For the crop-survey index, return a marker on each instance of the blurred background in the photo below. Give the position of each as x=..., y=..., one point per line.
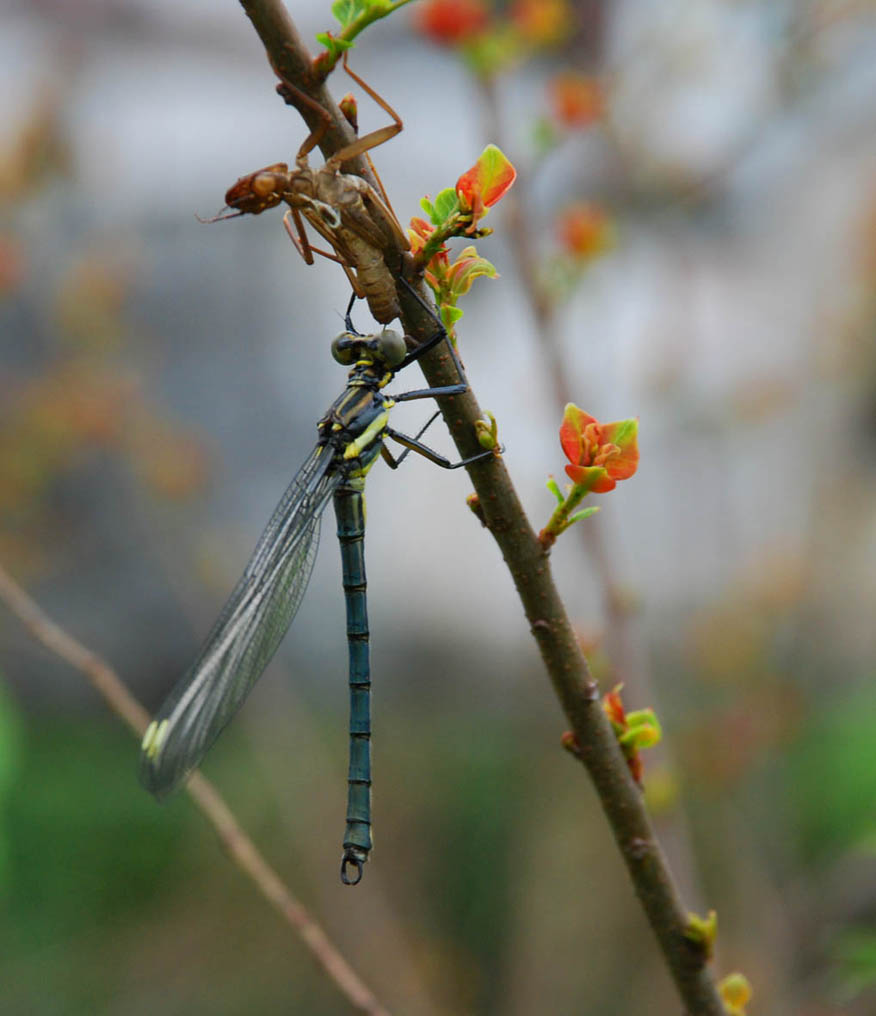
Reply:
x=691, y=240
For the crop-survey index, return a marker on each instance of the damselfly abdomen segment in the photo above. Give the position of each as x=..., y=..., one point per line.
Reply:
x=264, y=602
x=350, y=513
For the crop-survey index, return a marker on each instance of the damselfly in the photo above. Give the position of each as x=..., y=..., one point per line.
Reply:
x=252, y=624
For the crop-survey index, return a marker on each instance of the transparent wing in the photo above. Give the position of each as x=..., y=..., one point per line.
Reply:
x=245, y=636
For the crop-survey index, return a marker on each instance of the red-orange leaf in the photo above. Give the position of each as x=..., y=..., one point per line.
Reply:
x=599, y=454
x=614, y=708
x=584, y=230
x=451, y=22
x=419, y=232
x=543, y=22
x=594, y=478
x=466, y=268
x=576, y=98
x=485, y=183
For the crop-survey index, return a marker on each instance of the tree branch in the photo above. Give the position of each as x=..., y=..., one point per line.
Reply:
x=529, y=566
x=290, y=59
x=240, y=848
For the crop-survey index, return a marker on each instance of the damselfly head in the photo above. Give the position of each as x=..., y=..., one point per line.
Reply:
x=386, y=347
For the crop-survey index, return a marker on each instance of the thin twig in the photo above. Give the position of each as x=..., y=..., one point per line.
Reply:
x=627, y=663
x=237, y=844
x=568, y=671
x=615, y=604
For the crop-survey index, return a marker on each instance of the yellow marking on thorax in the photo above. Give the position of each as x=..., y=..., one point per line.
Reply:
x=372, y=431
x=348, y=406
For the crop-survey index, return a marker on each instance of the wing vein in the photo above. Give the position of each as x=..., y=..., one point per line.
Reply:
x=247, y=632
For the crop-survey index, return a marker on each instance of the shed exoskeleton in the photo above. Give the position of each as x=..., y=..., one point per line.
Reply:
x=355, y=220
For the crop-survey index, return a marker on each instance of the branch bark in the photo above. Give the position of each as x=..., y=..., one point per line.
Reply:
x=529, y=566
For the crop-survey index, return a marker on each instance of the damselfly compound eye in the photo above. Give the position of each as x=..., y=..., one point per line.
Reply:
x=392, y=347
x=343, y=348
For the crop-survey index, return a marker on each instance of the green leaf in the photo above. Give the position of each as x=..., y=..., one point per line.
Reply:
x=346, y=11
x=643, y=729
x=441, y=209
x=544, y=136
x=354, y=16
x=487, y=431
x=585, y=513
x=335, y=46
x=446, y=204
x=466, y=269
x=453, y=314
x=640, y=737
x=553, y=487
x=735, y=992
x=643, y=718
x=624, y=431
x=702, y=932
x=450, y=315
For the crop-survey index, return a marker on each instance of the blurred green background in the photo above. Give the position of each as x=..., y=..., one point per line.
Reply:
x=697, y=206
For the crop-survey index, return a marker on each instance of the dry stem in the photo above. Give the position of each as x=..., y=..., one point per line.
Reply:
x=237, y=844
